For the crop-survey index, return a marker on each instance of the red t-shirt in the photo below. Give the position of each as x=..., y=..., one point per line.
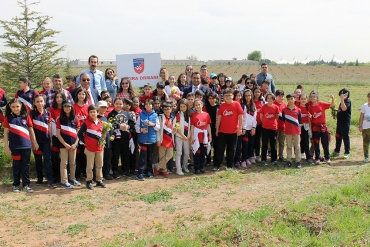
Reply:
x=81, y=112
x=318, y=112
x=230, y=117
x=281, y=106
x=269, y=117
x=304, y=114
x=201, y=121
x=258, y=104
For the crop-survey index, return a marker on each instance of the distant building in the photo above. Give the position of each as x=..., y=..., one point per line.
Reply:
x=180, y=62
x=233, y=62
x=85, y=62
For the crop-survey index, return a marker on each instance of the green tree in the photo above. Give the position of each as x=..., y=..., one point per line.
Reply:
x=356, y=62
x=255, y=56
x=34, y=55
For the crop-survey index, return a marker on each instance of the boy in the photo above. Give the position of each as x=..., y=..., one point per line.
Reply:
x=228, y=128
x=264, y=88
x=102, y=107
x=147, y=125
x=291, y=116
x=90, y=133
x=199, y=95
x=211, y=108
x=104, y=94
x=212, y=84
x=160, y=92
x=190, y=97
x=71, y=83
x=165, y=139
x=25, y=94
x=279, y=94
x=147, y=94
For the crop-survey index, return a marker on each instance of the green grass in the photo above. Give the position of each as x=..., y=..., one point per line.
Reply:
x=339, y=216
x=75, y=229
x=159, y=195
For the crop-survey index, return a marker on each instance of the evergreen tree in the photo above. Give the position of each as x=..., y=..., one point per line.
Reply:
x=34, y=55
x=356, y=62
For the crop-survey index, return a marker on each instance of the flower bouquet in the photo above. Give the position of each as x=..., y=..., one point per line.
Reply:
x=107, y=126
x=333, y=112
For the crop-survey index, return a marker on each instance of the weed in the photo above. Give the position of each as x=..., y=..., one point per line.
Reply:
x=160, y=195
x=169, y=208
x=75, y=229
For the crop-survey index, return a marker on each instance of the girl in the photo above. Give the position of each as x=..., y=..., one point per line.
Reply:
x=228, y=84
x=3, y=102
x=364, y=127
x=306, y=133
x=90, y=133
x=157, y=105
x=126, y=91
x=297, y=93
x=42, y=128
x=111, y=80
x=343, y=123
x=221, y=81
x=249, y=128
x=108, y=99
x=258, y=101
x=173, y=91
x=319, y=128
x=250, y=84
x=163, y=74
x=242, y=82
x=147, y=94
x=238, y=97
x=19, y=138
x=182, y=83
x=269, y=114
x=55, y=110
x=46, y=85
x=67, y=127
x=122, y=136
x=25, y=94
x=200, y=136
x=182, y=137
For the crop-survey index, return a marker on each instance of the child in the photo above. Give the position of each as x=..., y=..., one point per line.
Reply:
x=182, y=137
x=258, y=101
x=102, y=107
x=90, y=133
x=46, y=85
x=108, y=99
x=71, y=83
x=249, y=128
x=182, y=83
x=25, y=94
x=343, y=124
x=319, y=128
x=67, y=127
x=212, y=83
x=147, y=94
x=161, y=92
x=42, y=128
x=165, y=139
x=297, y=93
x=199, y=95
x=147, y=125
x=157, y=105
x=3, y=102
x=130, y=115
x=242, y=82
x=264, y=88
x=228, y=128
x=211, y=108
x=238, y=151
x=364, y=127
x=135, y=106
x=269, y=114
x=228, y=84
x=291, y=116
x=55, y=110
x=279, y=94
x=19, y=138
x=173, y=91
x=104, y=94
x=191, y=97
x=199, y=137
x=306, y=133
x=221, y=81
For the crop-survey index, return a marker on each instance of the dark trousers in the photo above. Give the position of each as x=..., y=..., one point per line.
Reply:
x=106, y=161
x=55, y=160
x=247, y=144
x=342, y=133
x=133, y=156
x=80, y=161
x=21, y=166
x=44, y=151
x=200, y=157
x=121, y=148
x=228, y=142
x=269, y=136
x=324, y=142
x=146, y=157
x=257, y=140
x=238, y=149
x=305, y=143
x=214, y=146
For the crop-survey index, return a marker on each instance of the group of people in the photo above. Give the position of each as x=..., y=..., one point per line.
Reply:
x=83, y=130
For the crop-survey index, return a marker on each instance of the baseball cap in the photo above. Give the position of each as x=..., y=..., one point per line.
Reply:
x=101, y=103
x=213, y=76
x=67, y=102
x=228, y=79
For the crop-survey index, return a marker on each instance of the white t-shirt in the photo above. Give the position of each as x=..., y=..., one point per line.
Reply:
x=365, y=109
x=171, y=90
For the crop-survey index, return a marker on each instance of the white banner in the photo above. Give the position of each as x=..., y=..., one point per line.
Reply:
x=140, y=68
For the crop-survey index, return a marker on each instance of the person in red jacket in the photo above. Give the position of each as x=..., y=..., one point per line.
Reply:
x=90, y=133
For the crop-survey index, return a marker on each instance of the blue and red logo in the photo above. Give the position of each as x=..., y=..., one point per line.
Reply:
x=139, y=65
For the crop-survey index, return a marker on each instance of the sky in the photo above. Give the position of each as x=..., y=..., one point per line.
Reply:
x=209, y=30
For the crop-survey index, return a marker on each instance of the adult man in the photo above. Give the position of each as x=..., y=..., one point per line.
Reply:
x=195, y=78
x=261, y=77
x=93, y=95
x=204, y=72
x=57, y=86
x=96, y=76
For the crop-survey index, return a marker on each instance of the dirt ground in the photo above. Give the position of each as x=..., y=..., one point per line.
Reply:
x=79, y=217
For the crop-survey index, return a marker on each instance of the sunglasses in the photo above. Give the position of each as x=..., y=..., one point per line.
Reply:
x=214, y=78
x=249, y=82
x=110, y=72
x=85, y=79
x=135, y=102
x=124, y=82
x=189, y=69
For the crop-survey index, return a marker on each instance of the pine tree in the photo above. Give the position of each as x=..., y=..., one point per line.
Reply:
x=34, y=55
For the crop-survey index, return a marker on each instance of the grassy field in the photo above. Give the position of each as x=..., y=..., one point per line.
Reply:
x=260, y=206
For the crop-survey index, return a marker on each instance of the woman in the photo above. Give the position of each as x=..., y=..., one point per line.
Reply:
x=250, y=84
x=111, y=80
x=163, y=74
x=46, y=85
x=188, y=72
x=126, y=91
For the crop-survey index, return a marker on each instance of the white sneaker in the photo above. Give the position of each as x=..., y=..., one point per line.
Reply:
x=180, y=173
x=185, y=168
x=303, y=156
